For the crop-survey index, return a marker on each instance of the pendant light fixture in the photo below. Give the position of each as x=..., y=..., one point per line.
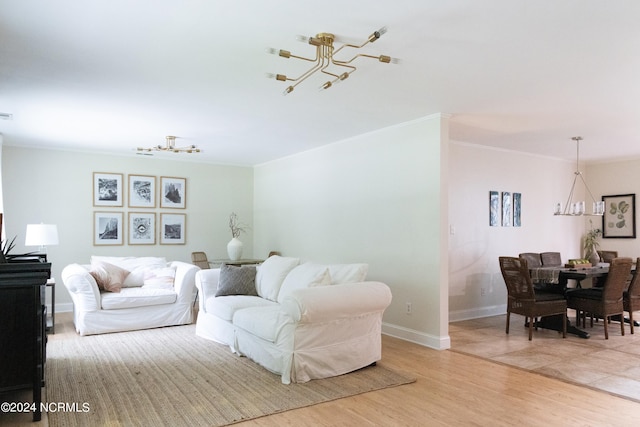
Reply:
x=578, y=208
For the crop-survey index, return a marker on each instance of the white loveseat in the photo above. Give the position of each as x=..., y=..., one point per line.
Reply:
x=303, y=321
x=140, y=293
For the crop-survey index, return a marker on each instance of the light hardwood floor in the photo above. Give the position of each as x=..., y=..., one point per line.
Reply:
x=454, y=389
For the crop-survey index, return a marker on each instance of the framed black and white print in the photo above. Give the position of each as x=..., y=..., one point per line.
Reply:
x=506, y=209
x=107, y=189
x=142, y=228
x=173, y=192
x=494, y=208
x=172, y=229
x=517, y=209
x=142, y=191
x=108, y=228
x=619, y=219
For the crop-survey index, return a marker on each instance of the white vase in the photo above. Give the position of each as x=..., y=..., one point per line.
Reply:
x=234, y=249
x=594, y=258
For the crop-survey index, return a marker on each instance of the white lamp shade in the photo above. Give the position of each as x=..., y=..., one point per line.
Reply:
x=41, y=235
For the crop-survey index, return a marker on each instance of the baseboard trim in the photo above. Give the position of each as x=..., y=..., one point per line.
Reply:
x=417, y=337
x=476, y=313
x=64, y=308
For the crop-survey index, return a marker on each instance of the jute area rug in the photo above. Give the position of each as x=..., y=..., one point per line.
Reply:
x=169, y=376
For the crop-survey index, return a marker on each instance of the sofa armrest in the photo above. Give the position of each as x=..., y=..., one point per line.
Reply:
x=82, y=286
x=327, y=303
x=207, y=284
x=184, y=282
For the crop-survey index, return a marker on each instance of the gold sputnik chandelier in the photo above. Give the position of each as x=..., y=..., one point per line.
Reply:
x=325, y=58
x=171, y=146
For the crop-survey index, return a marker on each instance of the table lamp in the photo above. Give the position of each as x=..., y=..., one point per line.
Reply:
x=41, y=235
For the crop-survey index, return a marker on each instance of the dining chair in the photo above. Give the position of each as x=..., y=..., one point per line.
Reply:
x=522, y=299
x=607, y=256
x=551, y=259
x=533, y=259
x=606, y=301
x=200, y=259
x=631, y=297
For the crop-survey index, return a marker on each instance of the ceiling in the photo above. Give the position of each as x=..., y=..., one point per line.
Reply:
x=113, y=75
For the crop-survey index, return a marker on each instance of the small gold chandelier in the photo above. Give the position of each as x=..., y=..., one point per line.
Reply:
x=325, y=58
x=171, y=146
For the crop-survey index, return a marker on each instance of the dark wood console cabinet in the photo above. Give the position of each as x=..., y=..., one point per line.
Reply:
x=22, y=328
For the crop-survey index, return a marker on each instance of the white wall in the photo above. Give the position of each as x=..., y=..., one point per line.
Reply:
x=474, y=248
x=375, y=198
x=607, y=179
x=57, y=187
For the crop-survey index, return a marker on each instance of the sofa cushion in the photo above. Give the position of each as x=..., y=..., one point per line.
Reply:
x=137, y=266
x=159, y=278
x=348, y=273
x=109, y=277
x=304, y=276
x=225, y=307
x=271, y=274
x=237, y=280
x=137, y=297
x=262, y=322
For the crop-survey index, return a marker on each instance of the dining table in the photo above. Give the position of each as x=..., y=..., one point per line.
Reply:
x=556, y=279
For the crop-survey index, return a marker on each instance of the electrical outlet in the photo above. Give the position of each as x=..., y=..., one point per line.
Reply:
x=408, y=308
x=483, y=292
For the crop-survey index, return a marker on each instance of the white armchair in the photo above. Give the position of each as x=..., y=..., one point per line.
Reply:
x=140, y=304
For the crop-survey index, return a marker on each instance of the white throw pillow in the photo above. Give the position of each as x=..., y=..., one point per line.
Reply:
x=271, y=274
x=159, y=278
x=136, y=266
x=304, y=276
x=348, y=273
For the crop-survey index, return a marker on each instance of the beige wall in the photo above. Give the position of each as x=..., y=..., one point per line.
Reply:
x=474, y=246
x=622, y=177
x=376, y=198
x=57, y=186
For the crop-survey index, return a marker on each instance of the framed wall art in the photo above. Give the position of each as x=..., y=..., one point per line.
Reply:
x=142, y=228
x=494, y=208
x=142, y=191
x=107, y=189
x=172, y=229
x=517, y=209
x=619, y=219
x=506, y=209
x=108, y=228
x=173, y=192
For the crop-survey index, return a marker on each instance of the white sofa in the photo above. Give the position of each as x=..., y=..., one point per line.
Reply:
x=134, y=293
x=303, y=321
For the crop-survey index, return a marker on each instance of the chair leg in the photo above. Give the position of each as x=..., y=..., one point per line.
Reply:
x=531, y=322
x=508, y=316
x=622, y=323
x=606, y=327
x=631, y=320
x=564, y=326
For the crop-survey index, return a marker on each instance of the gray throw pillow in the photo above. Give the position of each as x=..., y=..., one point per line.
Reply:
x=237, y=280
